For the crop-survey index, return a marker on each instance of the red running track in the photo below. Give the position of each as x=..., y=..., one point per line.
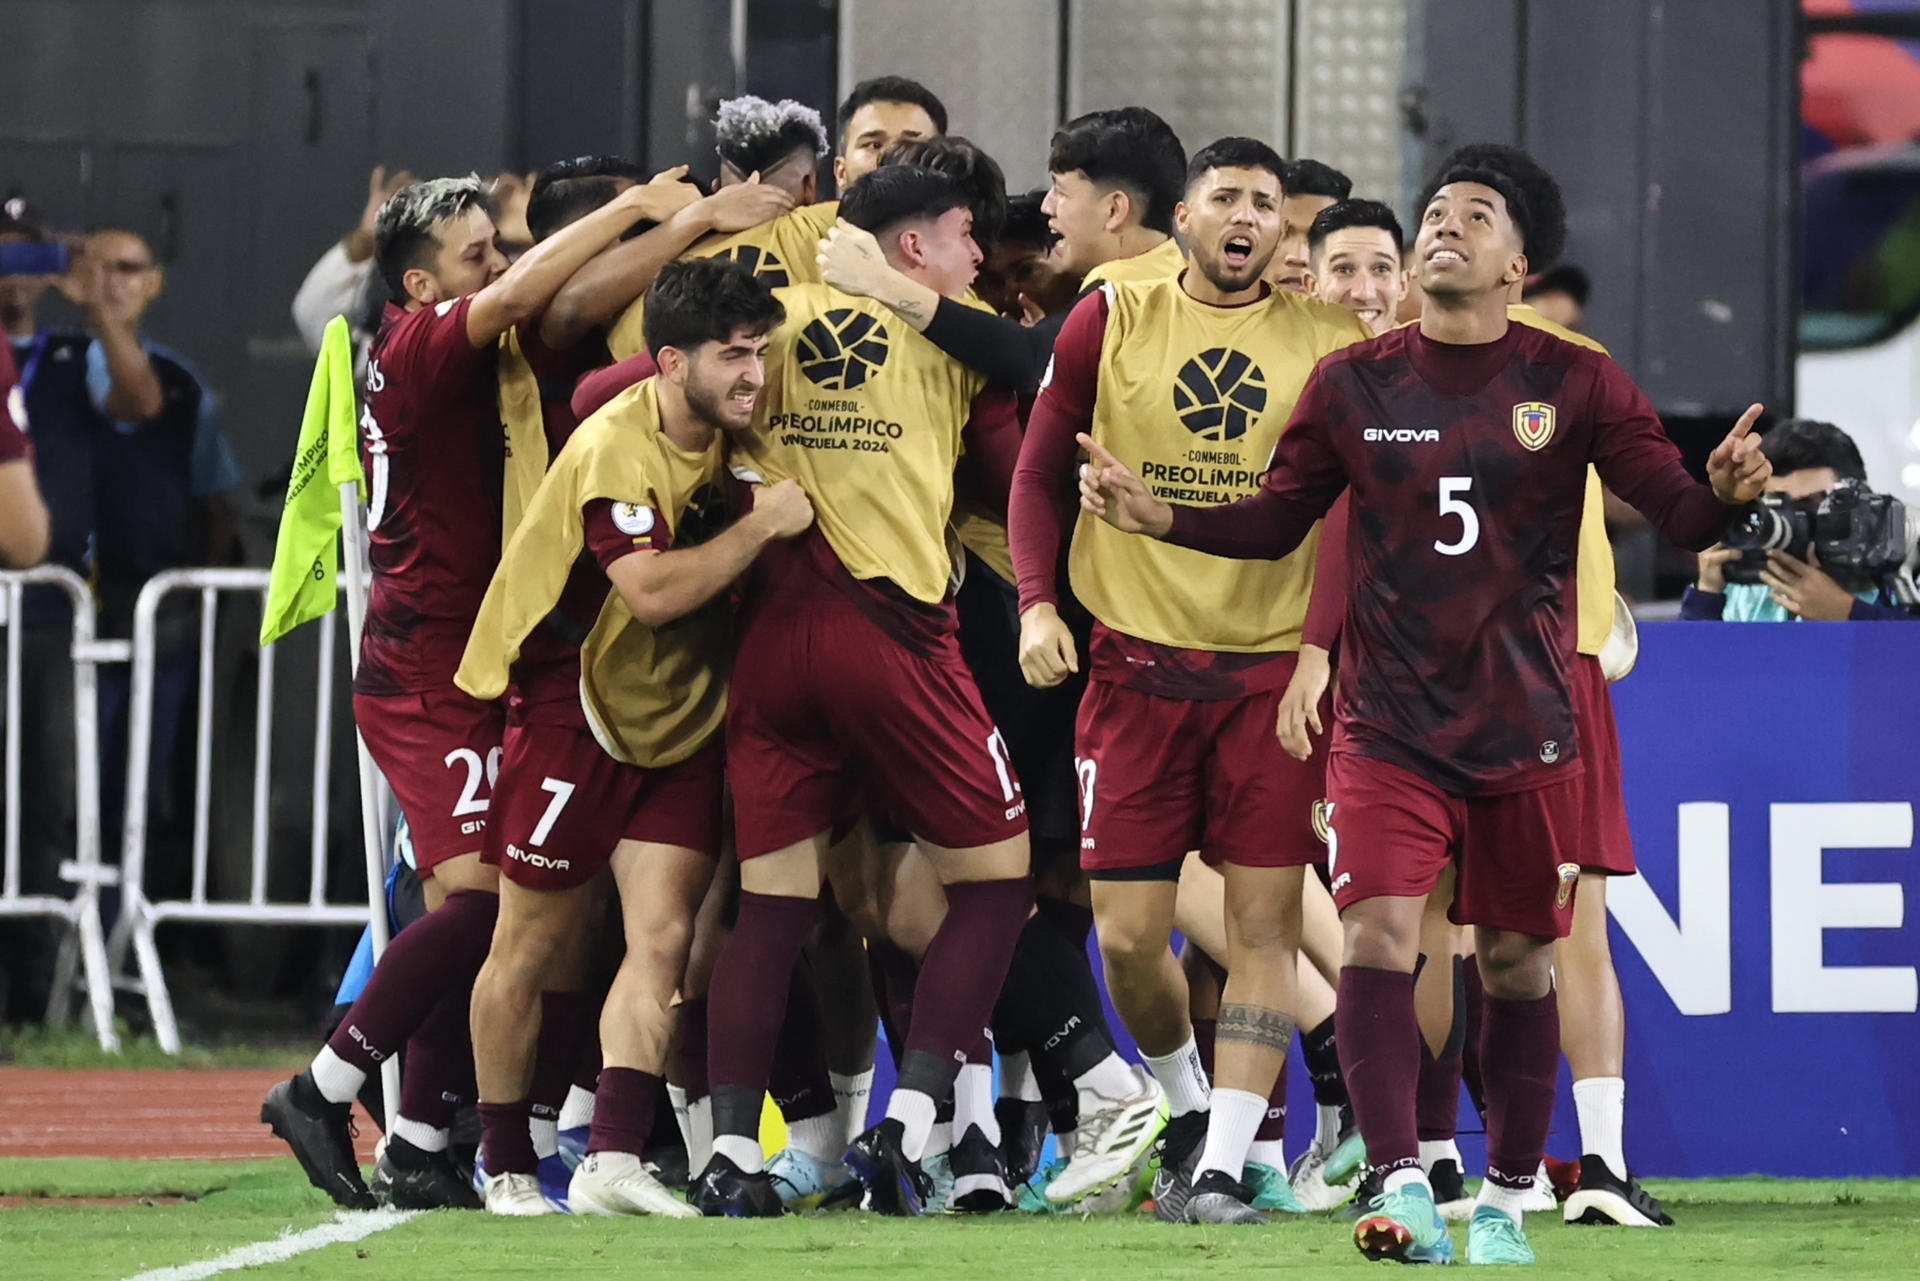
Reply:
x=187, y=1113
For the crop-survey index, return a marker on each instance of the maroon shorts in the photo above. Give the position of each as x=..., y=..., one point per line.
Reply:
x=1391, y=833
x=440, y=752
x=562, y=804
x=1161, y=776
x=828, y=715
x=1605, y=844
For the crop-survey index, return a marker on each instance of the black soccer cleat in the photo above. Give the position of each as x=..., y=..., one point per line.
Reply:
x=321, y=1136
x=979, y=1176
x=1023, y=1133
x=1603, y=1198
x=894, y=1185
x=1365, y=1189
x=411, y=1178
x=725, y=1191
x=1178, y=1151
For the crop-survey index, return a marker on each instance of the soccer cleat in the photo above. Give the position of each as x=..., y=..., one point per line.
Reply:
x=573, y=1145
x=1370, y=1185
x=1271, y=1192
x=894, y=1185
x=1603, y=1198
x=979, y=1176
x=805, y=1182
x=1308, y=1178
x=1023, y=1133
x=1217, y=1197
x=1348, y=1155
x=618, y=1183
x=1404, y=1225
x=1031, y=1196
x=410, y=1178
x=556, y=1176
x=1180, y=1145
x=938, y=1167
x=1494, y=1236
x=321, y=1136
x=724, y=1190
x=1450, y=1190
x=1540, y=1196
x=516, y=1196
x=1107, y=1143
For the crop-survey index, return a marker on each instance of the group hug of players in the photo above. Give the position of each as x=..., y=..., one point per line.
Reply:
x=867, y=598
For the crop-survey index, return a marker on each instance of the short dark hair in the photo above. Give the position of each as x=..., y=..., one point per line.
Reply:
x=11, y=226
x=1027, y=220
x=892, y=194
x=1352, y=213
x=1306, y=177
x=976, y=172
x=890, y=89
x=1801, y=444
x=1236, y=153
x=1130, y=148
x=569, y=189
x=1564, y=279
x=403, y=229
x=752, y=134
x=701, y=300
x=1544, y=230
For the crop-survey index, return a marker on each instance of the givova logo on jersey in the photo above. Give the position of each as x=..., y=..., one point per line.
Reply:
x=842, y=349
x=1220, y=394
x=763, y=263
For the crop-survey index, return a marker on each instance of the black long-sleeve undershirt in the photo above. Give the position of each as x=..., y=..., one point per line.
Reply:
x=1006, y=351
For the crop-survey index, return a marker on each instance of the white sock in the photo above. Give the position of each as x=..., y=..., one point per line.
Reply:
x=1405, y=1177
x=817, y=1136
x=423, y=1136
x=851, y=1097
x=577, y=1112
x=339, y=1080
x=741, y=1150
x=677, y=1096
x=1326, y=1126
x=1434, y=1151
x=1183, y=1078
x=1017, y=1080
x=1601, y=1102
x=1111, y=1079
x=1507, y=1200
x=1234, y=1120
x=1268, y=1152
x=700, y=1127
x=915, y=1112
x=939, y=1139
x=546, y=1136
x=1063, y=1143
x=973, y=1101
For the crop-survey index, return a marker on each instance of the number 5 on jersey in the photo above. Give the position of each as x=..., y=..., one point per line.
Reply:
x=1452, y=503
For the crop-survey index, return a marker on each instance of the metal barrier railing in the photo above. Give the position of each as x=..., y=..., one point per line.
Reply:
x=139, y=915
x=83, y=870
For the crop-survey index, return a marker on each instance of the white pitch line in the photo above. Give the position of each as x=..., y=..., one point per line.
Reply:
x=346, y=1226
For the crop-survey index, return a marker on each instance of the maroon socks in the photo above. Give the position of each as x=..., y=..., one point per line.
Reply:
x=964, y=968
x=1520, y=1057
x=1379, y=1039
x=747, y=1001
x=623, y=1109
x=435, y=957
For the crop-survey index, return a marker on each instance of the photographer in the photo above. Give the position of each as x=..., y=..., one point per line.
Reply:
x=1755, y=577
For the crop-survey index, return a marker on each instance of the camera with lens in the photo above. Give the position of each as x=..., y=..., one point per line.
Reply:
x=1860, y=536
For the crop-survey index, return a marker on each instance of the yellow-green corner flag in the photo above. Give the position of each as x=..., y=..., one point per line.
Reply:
x=306, y=555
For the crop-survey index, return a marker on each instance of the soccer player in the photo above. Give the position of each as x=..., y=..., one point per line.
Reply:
x=1310, y=186
x=23, y=513
x=1353, y=261
x=1020, y=278
x=847, y=662
x=1115, y=179
x=1190, y=376
x=612, y=754
x=1464, y=442
x=432, y=439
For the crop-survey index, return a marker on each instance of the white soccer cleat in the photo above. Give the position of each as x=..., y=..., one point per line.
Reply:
x=1107, y=1143
x=1308, y=1178
x=617, y=1183
x=1541, y=1196
x=516, y=1195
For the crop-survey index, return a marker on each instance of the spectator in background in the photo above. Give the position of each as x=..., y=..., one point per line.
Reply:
x=1809, y=458
x=343, y=283
x=1560, y=294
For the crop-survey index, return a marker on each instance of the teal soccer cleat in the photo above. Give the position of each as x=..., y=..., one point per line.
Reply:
x=1406, y=1226
x=1494, y=1236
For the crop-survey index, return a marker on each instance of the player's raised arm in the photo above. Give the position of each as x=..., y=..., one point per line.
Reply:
x=523, y=291
x=660, y=586
x=1637, y=461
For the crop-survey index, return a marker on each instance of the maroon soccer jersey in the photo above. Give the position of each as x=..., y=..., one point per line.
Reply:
x=546, y=676
x=1467, y=468
x=434, y=449
x=13, y=411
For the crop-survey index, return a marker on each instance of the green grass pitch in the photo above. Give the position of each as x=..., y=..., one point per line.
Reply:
x=1737, y=1230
